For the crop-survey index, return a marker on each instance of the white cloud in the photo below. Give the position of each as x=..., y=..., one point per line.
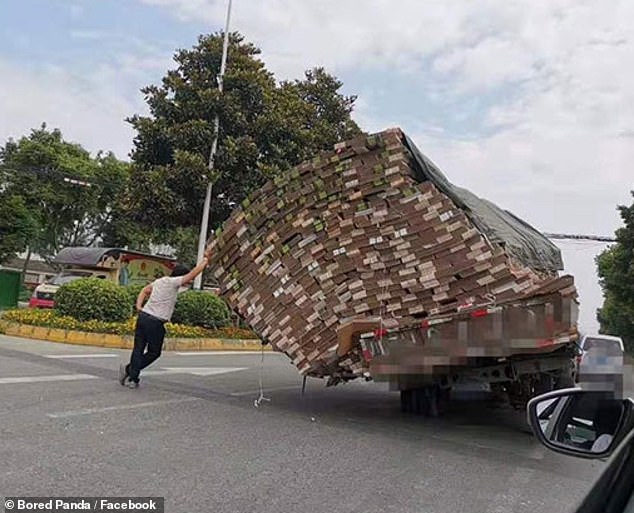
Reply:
x=89, y=109
x=88, y=101
x=552, y=77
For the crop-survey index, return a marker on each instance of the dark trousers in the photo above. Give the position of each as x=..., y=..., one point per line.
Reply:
x=148, y=344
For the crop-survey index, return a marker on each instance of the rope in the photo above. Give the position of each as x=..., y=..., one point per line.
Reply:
x=261, y=398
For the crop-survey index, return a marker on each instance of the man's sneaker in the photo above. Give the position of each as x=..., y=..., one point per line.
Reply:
x=131, y=384
x=123, y=374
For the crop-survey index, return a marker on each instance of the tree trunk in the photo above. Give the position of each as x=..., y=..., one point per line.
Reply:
x=26, y=261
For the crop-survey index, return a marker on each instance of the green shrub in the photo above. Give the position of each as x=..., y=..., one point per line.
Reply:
x=132, y=292
x=93, y=299
x=51, y=319
x=25, y=294
x=199, y=308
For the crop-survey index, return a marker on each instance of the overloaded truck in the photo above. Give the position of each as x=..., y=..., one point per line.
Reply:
x=367, y=263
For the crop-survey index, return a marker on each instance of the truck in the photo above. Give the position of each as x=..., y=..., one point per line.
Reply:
x=366, y=262
x=516, y=350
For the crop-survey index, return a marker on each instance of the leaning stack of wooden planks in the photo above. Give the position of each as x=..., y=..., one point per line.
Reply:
x=354, y=234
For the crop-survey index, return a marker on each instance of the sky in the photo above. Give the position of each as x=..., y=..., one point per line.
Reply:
x=528, y=103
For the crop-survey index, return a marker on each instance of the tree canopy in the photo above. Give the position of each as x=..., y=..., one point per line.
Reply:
x=616, y=273
x=17, y=225
x=54, y=194
x=265, y=127
x=58, y=194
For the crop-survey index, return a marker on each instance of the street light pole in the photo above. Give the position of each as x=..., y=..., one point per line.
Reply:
x=204, y=225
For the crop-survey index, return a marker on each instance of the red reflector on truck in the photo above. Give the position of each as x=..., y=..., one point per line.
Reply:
x=479, y=313
x=378, y=333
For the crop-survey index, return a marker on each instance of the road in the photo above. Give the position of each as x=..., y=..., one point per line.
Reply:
x=192, y=434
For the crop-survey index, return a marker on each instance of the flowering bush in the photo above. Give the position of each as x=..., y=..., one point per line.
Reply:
x=52, y=319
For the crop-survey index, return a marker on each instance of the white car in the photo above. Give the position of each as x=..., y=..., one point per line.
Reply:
x=601, y=351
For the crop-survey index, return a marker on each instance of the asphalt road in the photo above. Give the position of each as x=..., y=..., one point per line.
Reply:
x=193, y=434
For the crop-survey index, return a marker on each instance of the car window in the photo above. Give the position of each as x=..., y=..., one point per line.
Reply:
x=610, y=347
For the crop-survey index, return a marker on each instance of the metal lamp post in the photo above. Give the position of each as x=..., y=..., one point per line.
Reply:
x=204, y=225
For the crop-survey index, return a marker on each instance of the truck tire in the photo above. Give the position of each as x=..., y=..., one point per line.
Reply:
x=567, y=379
x=545, y=383
x=407, y=401
x=421, y=401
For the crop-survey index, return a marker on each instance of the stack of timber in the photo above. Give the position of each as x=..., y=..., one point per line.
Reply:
x=370, y=230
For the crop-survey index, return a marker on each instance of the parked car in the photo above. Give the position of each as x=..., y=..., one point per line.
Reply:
x=592, y=425
x=44, y=294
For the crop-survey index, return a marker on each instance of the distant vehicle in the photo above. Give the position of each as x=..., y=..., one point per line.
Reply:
x=599, y=353
x=43, y=294
x=591, y=425
x=126, y=267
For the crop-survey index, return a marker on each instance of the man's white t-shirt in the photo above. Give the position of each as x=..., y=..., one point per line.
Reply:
x=163, y=297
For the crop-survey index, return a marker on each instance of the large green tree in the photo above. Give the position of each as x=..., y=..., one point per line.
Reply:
x=17, y=225
x=265, y=127
x=70, y=197
x=616, y=273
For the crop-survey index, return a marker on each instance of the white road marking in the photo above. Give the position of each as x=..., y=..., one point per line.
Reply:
x=196, y=371
x=92, y=411
x=96, y=355
x=223, y=353
x=251, y=392
x=46, y=379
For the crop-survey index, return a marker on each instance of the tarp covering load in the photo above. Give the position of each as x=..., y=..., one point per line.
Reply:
x=517, y=237
x=372, y=230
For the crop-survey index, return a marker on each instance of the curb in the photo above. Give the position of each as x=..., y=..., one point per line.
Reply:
x=85, y=338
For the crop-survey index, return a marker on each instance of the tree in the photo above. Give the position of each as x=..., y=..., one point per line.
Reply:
x=616, y=273
x=17, y=226
x=265, y=128
x=70, y=196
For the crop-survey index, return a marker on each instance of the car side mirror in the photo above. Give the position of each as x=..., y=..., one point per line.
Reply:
x=576, y=422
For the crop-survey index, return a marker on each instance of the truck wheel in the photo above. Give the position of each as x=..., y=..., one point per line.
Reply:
x=545, y=383
x=414, y=401
x=407, y=401
x=421, y=402
x=565, y=380
x=432, y=395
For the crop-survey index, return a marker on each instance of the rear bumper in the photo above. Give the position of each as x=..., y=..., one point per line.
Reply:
x=41, y=303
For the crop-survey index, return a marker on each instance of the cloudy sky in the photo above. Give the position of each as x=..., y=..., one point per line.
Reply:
x=529, y=103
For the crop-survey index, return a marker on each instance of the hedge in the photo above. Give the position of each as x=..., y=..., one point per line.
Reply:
x=51, y=319
x=93, y=299
x=89, y=299
x=133, y=292
x=199, y=308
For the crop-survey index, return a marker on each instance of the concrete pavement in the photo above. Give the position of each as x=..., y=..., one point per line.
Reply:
x=192, y=434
